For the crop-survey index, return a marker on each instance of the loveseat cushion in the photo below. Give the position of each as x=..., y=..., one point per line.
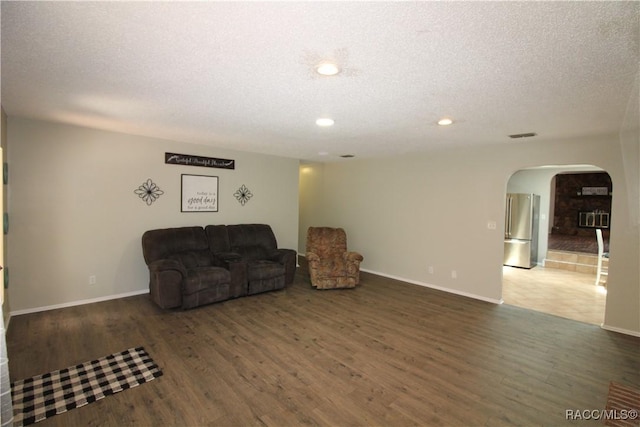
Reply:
x=243, y=235
x=218, y=238
x=161, y=243
x=263, y=269
x=193, y=259
x=251, y=252
x=203, y=278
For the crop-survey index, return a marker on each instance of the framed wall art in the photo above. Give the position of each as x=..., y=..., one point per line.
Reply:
x=199, y=193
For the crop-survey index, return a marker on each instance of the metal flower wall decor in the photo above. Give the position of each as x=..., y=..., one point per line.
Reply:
x=243, y=194
x=149, y=192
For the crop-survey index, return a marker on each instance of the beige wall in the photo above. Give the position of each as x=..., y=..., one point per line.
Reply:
x=310, y=195
x=74, y=212
x=411, y=212
x=4, y=295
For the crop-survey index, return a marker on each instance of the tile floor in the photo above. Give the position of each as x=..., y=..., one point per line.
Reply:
x=562, y=293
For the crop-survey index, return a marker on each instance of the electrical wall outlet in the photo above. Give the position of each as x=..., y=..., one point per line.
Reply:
x=491, y=225
x=92, y=280
x=454, y=274
x=430, y=269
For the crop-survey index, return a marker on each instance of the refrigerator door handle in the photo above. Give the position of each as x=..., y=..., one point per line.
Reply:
x=508, y=217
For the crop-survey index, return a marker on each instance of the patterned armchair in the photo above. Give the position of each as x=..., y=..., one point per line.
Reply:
x=330, y=264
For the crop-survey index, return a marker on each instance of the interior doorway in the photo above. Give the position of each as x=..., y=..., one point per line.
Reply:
x=562, y=282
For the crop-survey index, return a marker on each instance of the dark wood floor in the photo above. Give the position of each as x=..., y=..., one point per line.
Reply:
x=386, y=353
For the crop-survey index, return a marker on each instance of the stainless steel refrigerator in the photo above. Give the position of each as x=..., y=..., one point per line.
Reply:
x=521, y=230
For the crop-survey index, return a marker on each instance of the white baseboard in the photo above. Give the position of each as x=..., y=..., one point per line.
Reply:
x=620, y=330
x=80, y=302
x=428, y=285
x=439, y=288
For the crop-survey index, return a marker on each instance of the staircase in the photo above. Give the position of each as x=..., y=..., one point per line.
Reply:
x=574, y=261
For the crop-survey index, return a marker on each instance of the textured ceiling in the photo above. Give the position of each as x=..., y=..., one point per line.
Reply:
x=241, y=75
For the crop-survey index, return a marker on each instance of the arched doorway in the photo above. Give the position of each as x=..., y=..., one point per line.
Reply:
x=562, y=282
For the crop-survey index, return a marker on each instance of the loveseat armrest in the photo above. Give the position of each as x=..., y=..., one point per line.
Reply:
x=286, y=257
x=233, y=262
x=166, y=277
x=167, y=264
x=279, y=255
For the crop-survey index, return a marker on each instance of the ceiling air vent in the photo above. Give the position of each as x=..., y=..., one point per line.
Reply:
x=523, y=135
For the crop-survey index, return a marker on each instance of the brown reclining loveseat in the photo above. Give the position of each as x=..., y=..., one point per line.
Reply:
x=194, y=266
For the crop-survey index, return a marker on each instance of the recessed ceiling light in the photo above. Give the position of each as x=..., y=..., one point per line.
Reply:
x=324, y=122
x=445, y=122
x=327, y=69
x=347, y=156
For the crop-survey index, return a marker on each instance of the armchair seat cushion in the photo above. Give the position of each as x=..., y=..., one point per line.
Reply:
x=333, y=267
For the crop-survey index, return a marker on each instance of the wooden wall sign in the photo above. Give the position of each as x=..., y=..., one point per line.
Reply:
x=207, y=162
x=199, y=193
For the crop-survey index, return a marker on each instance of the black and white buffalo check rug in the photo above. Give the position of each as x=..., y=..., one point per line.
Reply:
x=44, y=396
